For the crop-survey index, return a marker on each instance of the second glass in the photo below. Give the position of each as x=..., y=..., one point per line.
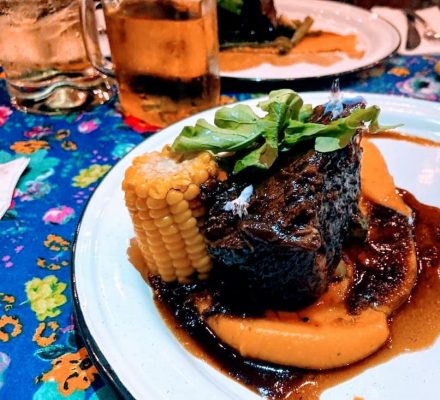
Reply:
x=165, y=55
x=42, y=54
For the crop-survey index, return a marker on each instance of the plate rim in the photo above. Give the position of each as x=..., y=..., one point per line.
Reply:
x=93, y=349
x=94, y=352
x=332, y=75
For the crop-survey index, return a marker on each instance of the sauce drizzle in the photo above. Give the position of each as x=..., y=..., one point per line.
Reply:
x=415, y=326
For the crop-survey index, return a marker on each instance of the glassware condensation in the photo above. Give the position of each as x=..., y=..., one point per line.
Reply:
x=44, y=59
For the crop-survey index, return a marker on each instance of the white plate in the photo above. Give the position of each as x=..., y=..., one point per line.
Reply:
x=129, y=340
x=376, y=36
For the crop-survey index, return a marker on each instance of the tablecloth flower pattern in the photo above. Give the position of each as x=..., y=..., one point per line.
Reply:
x=42, y=356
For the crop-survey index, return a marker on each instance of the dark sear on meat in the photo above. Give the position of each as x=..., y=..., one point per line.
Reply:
x=282, y=253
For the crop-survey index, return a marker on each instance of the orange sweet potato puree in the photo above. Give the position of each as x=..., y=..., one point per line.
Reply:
x=324, y=49
x=319, y=337
x=377, y=184
x=324, y=335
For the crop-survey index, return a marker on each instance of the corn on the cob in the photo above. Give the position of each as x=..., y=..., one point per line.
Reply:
x=162, y=195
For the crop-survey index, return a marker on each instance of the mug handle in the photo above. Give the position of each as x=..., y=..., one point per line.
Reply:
x=90, y=38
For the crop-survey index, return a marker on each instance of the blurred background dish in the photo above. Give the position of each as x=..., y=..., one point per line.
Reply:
x=350, y=39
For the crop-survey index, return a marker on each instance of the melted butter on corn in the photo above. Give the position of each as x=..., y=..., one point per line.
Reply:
x=162, y=196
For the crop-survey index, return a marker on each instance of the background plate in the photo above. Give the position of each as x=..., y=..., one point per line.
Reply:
x=376, y=36
x=130, y=342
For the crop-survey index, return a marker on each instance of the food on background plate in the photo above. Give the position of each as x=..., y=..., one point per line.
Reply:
x=251, y=32
x=255, y=23
x=278, y=241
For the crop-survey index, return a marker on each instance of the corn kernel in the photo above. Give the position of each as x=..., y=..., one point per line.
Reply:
x=181, y=184
x=197, y=249
x=212, y=167
x=196, y=256
x=176, y=254
x=155, y=204
x=205, y=269
x=194, y=240
x=180, y=218
x=205, y=157
x=200, y=176
x=144, y=216
x=162, y=257
x=168, y=278
x=174, y=197
x=130, y=197
x=163, y=222
x=157, y=192
x=165, y=266
x=183, y=263
x=171, y=239
x=190, y=223
x=189, y=233
x=202, y=263
x=149, y=225
x=142, y=190
x=154, y=242
x=184, y=273
x=171, y=247
x=160, y=213
x=179, y=207
x=169, y=230
x=140, y=204
x=192, y=192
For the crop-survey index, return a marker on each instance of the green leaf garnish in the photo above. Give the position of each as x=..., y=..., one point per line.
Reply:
x=205, y=136
x=234, y=6
x=255, y=141
x=335, y=135
x=234, y=117
x=305, y=112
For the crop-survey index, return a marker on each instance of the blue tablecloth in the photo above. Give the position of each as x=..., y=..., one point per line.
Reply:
x=42, y=356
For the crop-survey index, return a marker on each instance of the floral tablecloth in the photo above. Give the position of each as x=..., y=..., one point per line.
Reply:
x=42, y=356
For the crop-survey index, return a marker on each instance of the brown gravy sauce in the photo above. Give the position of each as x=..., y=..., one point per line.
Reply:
x=414, y=327
x=323, y=49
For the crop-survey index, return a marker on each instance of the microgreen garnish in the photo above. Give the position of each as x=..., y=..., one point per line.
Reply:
x=255, y=141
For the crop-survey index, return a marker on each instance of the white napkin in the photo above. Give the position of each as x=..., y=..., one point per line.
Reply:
x=397, y=17
x=10, y=173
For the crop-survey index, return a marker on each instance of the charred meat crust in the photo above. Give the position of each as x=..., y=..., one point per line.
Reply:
x=283, y=252
x=381, y=265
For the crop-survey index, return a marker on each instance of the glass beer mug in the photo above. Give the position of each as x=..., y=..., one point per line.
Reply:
x=164, y=55
x=43, y=56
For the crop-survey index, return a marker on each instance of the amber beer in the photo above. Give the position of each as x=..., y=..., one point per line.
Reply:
x=165, y=55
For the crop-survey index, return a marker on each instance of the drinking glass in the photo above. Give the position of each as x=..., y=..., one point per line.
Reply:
x=44, y=59
x=164, y=55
